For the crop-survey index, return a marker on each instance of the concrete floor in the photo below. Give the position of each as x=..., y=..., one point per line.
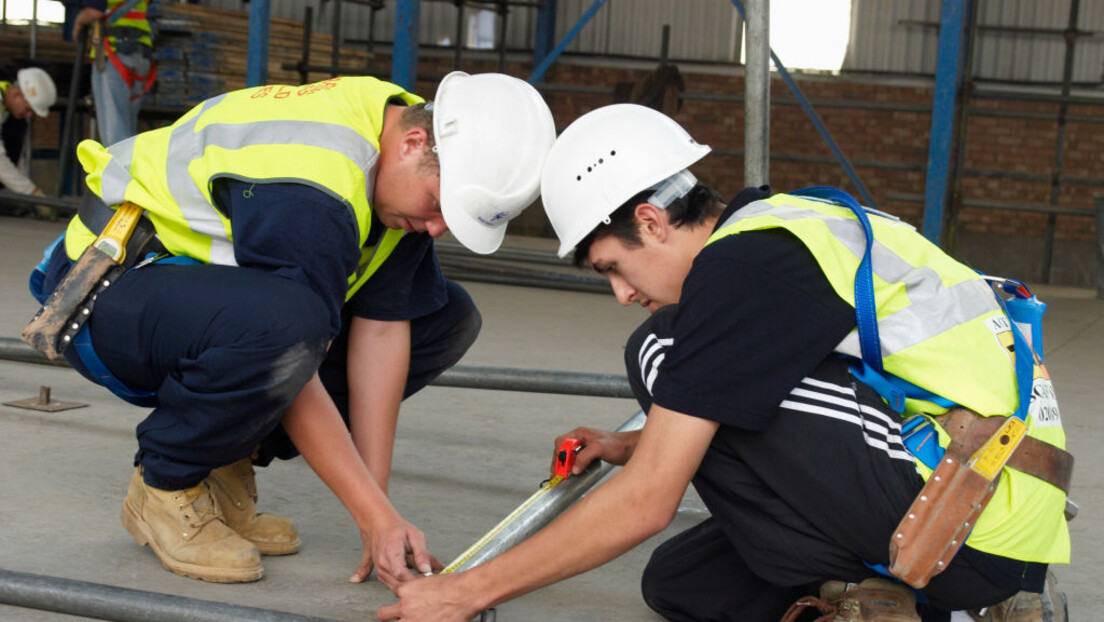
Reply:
x=464, y=458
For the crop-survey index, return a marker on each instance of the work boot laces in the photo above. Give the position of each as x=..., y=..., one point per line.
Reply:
x=197, y=505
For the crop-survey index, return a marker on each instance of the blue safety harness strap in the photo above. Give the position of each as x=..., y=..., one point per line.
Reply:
x=919, y=438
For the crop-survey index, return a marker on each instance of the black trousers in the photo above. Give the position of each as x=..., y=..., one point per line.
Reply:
x=809, y=499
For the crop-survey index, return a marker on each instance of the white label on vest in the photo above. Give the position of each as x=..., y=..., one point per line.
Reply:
x=1044, y=404
x=1002, y=330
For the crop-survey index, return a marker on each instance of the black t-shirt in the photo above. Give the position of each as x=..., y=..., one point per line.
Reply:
x=757, y=306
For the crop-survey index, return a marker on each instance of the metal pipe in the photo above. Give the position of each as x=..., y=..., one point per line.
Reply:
x=536, y=381
x=106, y=602
x=1060, y=146
x=539, y=510
x=962, y=115
x=821, y=129
x=65, y=146
x=404, y=51
x=757, y=94
x=464, y=377
x=304, y=58
x=1100, y=246
x=66, y=206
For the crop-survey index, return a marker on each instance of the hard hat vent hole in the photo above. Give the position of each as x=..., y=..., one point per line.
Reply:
x=578, y=178
x=589, y=169
x=613, y=153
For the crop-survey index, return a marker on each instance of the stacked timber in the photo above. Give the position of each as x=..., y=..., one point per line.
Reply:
x=202, y=51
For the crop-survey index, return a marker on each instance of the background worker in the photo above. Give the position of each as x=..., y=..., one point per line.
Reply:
x=801, y=465
x=123, y=69
x=291, y=217
x=32, y=92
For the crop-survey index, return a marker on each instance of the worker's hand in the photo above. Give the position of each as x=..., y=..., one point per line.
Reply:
x=398, y=552
x=86, y=16
x=36, y=192
x=440, y=598
x=613, y=447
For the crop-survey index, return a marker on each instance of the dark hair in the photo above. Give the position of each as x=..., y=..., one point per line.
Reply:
x=419, y=116
x=692, y=210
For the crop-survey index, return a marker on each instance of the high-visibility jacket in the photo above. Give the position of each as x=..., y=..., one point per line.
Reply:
x=324, y=135
x=4, y=84
x=941, y=329
x=136, y=19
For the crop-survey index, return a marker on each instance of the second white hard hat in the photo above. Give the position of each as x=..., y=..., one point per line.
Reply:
x=493, y=133
x=38, y=89
x=604, y=158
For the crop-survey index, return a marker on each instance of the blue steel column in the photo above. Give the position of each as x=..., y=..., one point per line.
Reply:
x=538, y=73
x=404, y=61
x=546, y=31
x=256, y=63
x=948, y=75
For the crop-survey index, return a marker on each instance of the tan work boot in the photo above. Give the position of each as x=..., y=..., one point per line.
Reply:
x=873, y=600
x=186, y=532
x=1050, y=606
x=235, y=489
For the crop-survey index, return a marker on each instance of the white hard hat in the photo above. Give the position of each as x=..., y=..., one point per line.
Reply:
x=604, y=158
x=492, y=133
x=38, y=89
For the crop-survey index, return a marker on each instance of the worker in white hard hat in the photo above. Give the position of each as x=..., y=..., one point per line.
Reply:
x=756, y=391
x=31, y=93
x=293, y=283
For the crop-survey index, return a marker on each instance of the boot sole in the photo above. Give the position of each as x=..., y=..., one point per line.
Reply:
x=277, y=548
x=142, y=534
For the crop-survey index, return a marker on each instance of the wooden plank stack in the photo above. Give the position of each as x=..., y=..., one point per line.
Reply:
x=202, y=51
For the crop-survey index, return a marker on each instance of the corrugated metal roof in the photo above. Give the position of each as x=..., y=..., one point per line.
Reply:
x=901, y=36
x=888, y=36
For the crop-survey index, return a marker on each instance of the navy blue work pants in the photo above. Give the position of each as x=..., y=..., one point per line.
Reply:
x=227, y=350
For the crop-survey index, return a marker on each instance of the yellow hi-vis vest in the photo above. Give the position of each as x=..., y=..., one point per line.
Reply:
x=943, y=330
x=324, y=135
x=4, y=84
x=135, y=18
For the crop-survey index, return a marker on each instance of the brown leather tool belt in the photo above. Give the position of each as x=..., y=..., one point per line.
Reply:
x=969, y=431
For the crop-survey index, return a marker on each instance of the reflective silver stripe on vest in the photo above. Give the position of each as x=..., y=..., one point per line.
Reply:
x=116, y=176
x=933, y=309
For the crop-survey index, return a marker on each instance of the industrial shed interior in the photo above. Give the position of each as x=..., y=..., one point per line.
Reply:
x=977, y=122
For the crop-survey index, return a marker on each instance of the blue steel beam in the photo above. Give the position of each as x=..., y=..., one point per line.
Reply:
x=404, y=59
x=538, y=73
x=256, y=63
x=546, y=31
x=948, y=76
x=807, y=106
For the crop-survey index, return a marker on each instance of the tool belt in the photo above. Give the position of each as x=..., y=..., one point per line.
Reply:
x=969, y=431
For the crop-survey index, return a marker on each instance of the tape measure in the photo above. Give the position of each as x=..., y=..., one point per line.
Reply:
x=564, y=461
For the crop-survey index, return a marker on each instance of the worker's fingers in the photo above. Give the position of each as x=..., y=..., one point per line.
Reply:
x=585, y=456
x=388, y=612
x=416, y=542
x=364, y=570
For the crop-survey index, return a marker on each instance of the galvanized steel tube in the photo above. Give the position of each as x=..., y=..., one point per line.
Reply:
x=757, y=94
x=106, y=602
x=542, y=510
x=468, y=377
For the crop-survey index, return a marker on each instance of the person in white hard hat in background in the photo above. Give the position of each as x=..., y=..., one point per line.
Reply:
x=32, y=93
x=294, y=284
x=745, y=370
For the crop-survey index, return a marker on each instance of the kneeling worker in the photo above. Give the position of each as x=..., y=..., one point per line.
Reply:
x=292, y=283
x=745, y=371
